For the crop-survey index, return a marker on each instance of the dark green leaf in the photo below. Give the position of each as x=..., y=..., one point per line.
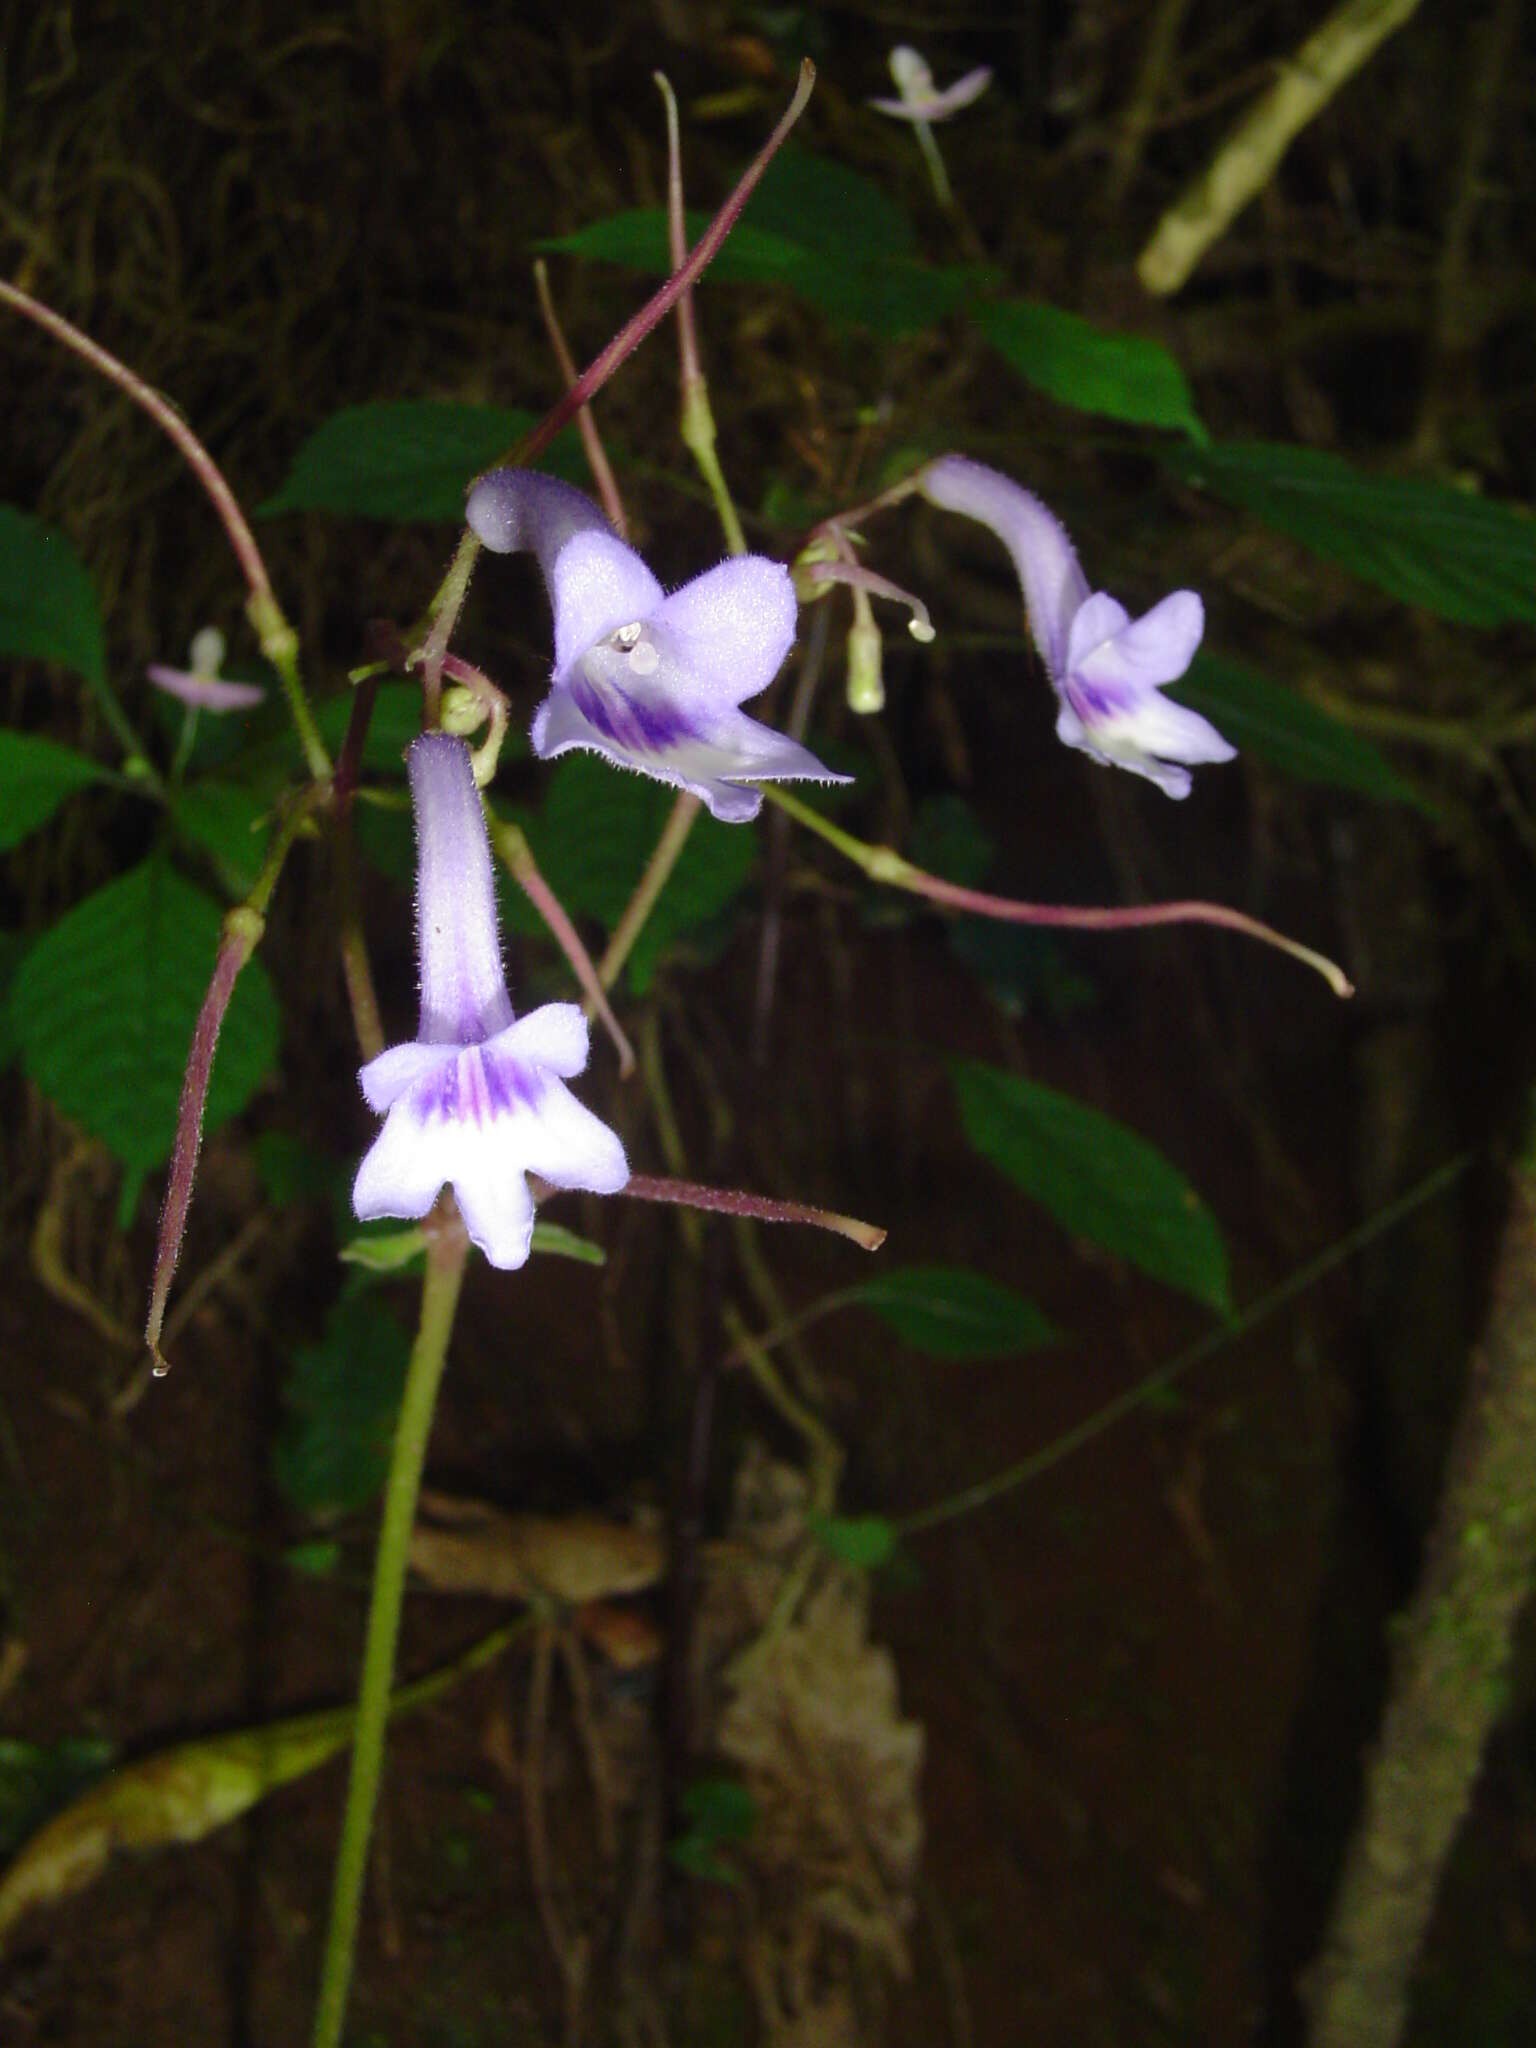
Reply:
x=48, y=608
x=385, y=1251
x=1098, y=1179
x=342, y=1397
x=314, y=1560
x=558, y=1242
x=227, y=820
x=1465, y=557
x=892, y=295
x=698, y=1858
x=404, y=459
x=864, y=1541
x=104, y=1004
x=592, y=838
x=35, y=778
x=292, y=1171
x=1121, y=376
x=955, y=1313
x=1264, y=718
x=949, y=840
x=13, y=949
x=813, y=227
x=719, y=1809
x=37, y=1779
x=824, y=205
x=1023, y=971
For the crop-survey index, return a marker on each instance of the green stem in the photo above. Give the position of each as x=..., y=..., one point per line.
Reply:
x=446, y=1253
x=658, y=870
x=280, y=644
x=698, y=432
x=444, y=614
x=985, y=1491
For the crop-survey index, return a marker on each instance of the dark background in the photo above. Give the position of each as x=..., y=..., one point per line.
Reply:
x=1147, y=1679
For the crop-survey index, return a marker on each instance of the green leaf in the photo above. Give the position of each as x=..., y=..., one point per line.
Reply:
x=104, y=1004
x=384, y=1251
x=1467, y=558
x=1264, y=718
x=226, y=819
x=558, y=1242
x=815, y=228
x=949, y=840
x=864, y=1541
x=1121, y=376
x=291, y=1170
x=13, y=950
x=405, y=459
x=314, y=1560
x=1098, y=1179
x=36, y=1779
x=1023, y=971
x=48, y=608
x=342, y=1397
x=720, y=1809
x=591, y=840
x=955, y=1313
x=35, y=778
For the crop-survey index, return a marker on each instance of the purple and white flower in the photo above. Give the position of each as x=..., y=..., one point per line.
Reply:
x=478, y=1099
x=651, y=681
x=200, y=684
x=920, y=99
x=1108, y=669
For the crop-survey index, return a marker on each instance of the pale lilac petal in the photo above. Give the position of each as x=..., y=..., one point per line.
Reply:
x=1054, y=586
x=463, y=990
x=725, y=748
x=596, y=584
x=1156, y=648
x=205, y=693
x=394, y=1072
x=939, y=106
x=1147, y=734
x=565, y=1144
x=555, y=1037
x=492, y=1193
x=1160, y=726
x=1097, y=620
x=731, y=627
x=405, y=1168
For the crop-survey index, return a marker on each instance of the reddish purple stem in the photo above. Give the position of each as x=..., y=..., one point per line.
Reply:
x=656, y=309
x=691, y=1194
x=242, y=933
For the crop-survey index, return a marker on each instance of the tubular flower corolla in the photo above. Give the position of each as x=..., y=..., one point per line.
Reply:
x=650, y=681
x=920, y=99
x=1107, y=668
x=478, y=1100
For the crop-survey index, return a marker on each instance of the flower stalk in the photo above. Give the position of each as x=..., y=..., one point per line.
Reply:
x=884, y=864
x=447, y=1251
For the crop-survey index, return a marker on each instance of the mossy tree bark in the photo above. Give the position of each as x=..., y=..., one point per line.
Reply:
x=1450, y=1671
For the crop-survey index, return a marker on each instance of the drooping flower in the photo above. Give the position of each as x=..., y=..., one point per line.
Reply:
x=478, y=1099
x=1107, y=668
x=200, y=684
x=648, y=680
x=920, y=99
